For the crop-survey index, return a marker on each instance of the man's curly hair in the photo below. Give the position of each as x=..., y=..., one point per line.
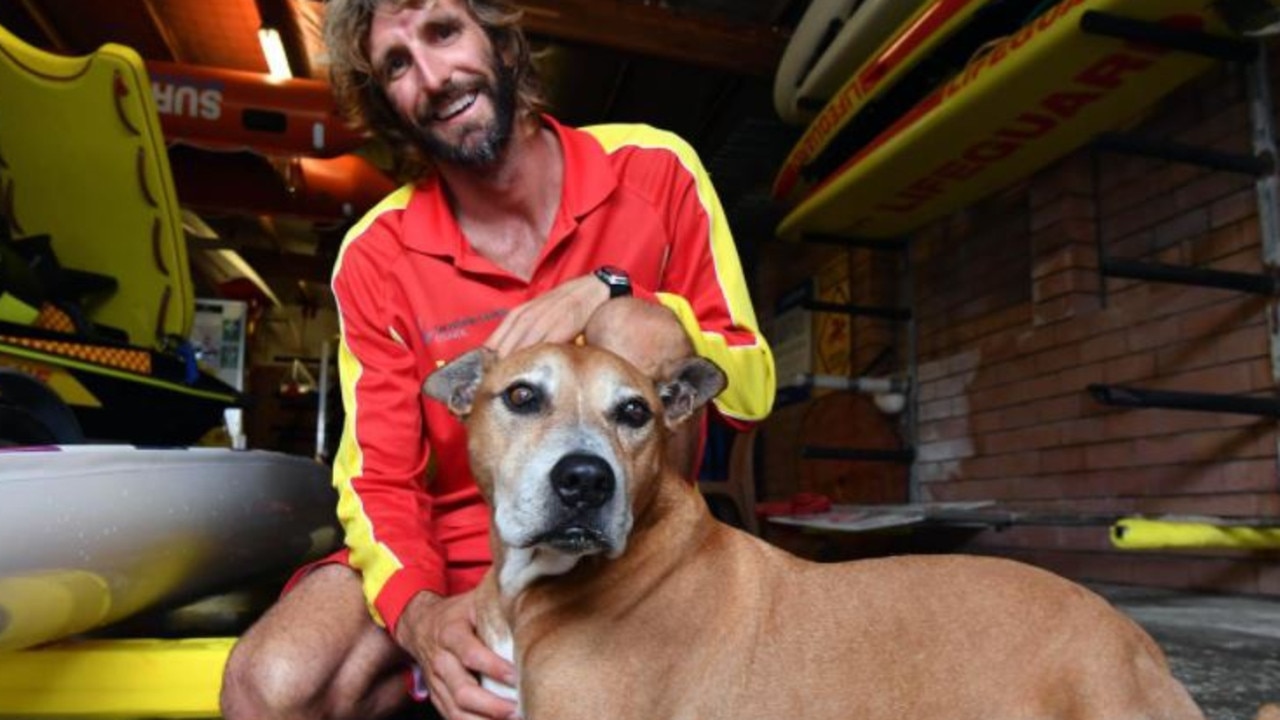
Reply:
x=361, y=98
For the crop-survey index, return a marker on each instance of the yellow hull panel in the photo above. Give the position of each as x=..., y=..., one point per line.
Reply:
x=115, y=678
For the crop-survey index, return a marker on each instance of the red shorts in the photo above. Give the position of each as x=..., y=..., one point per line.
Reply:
x=461, y=577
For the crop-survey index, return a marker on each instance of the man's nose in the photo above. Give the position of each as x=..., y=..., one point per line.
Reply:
x=434, y=73
x=428, y=68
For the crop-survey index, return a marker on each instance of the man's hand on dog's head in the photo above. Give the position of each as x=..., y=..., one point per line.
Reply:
x=440, y=634
x=558, y=315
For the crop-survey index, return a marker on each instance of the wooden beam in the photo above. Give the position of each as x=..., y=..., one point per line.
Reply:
x=651, y=30
x=41, y=20
x=165, y=32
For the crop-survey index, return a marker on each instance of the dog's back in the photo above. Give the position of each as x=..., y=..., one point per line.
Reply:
x=950, y=636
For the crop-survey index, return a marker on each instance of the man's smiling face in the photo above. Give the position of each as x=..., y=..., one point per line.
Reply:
x=445, y=79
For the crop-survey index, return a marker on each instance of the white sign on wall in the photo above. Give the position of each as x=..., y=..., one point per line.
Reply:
x=218, y=336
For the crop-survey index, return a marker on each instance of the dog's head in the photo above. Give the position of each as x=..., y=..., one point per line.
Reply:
x=565, y=440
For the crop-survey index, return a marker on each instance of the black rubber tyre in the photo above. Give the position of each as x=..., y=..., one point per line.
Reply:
x=32, y=414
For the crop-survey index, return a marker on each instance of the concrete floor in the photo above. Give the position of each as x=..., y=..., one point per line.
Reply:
x=1225, y=649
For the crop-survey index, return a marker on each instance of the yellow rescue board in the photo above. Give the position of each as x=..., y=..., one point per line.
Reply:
x=83, y=159
x=931, y=25
x=1032, y=98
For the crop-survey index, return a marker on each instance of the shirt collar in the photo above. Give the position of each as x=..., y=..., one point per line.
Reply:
x=589, y=178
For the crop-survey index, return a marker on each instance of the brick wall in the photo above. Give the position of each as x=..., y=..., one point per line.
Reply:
x=1015, y=322
x=839, y=420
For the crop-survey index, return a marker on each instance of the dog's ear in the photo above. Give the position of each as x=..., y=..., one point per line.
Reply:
x=455, y=384
x=687, y=385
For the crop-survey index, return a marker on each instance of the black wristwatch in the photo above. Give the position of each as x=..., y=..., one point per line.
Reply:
x=617, y=279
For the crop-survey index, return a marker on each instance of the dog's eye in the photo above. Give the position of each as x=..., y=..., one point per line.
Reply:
x=522, y=398
x=634, y=413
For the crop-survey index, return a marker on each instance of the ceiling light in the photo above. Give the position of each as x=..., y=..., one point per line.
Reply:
x=273, y=50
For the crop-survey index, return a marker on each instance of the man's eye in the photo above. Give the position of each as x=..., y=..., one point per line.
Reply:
x=440, y=32
x=633, y=413
x=522, y=398
x=393, y=66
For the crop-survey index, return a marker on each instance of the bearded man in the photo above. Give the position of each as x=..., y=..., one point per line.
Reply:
x=514, y=230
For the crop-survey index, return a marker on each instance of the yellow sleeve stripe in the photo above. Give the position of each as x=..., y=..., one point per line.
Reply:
x=750, y=367
x=376, y=561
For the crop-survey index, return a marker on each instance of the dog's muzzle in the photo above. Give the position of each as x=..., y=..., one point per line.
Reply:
x=583, y=485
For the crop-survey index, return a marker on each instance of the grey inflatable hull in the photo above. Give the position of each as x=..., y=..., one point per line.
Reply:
x=93, y=534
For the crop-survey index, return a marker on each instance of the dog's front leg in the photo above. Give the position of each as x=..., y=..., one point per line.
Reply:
x=495, y=632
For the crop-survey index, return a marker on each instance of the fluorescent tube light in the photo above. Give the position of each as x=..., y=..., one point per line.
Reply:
x=273, y=49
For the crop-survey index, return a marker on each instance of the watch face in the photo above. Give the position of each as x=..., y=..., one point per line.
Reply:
x=616, y=278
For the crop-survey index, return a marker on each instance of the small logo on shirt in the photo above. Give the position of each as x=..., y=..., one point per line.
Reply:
x=460, y=328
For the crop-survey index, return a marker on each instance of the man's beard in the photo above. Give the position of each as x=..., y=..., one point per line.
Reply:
x=494, y=135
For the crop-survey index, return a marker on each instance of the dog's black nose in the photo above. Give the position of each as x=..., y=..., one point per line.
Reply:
x=582, y=481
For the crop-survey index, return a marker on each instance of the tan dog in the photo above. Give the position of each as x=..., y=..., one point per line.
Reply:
x=619, y=596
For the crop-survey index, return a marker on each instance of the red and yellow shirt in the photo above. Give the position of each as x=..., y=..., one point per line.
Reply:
x=413, y=295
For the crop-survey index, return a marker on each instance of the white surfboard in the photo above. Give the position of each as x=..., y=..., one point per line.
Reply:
x=92, y=534
x=833, y=39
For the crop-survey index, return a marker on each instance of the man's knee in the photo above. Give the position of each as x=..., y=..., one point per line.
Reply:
x=315, y=654
x=645, y=333
x=258, y=683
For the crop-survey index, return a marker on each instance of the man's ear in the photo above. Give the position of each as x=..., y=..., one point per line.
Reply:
x=687, y=385
x=455, y=384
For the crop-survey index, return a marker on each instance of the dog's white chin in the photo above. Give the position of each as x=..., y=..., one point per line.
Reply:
x=522, y=566
x=523, y=525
